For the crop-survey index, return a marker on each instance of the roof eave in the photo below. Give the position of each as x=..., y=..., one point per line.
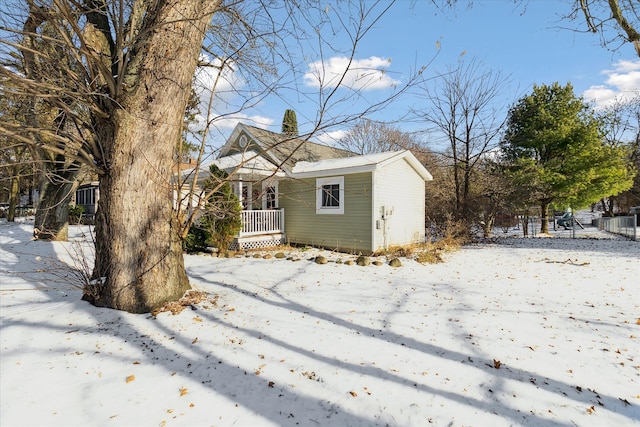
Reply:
x=335, y=171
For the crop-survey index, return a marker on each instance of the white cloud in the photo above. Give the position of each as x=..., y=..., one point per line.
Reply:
x=331, y=138
x=230, y=122
x=207, y=74
x=227, y=86
x=360, y=74
x=210, y=78
x=622, y=83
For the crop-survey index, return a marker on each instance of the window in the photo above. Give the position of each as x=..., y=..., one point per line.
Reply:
x=330, y=195
x=270, y=195
x=85, y=196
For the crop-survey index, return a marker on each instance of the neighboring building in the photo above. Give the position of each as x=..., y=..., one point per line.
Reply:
x=87, y=196
x=300, y=192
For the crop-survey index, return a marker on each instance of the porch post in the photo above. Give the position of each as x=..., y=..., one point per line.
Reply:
x=282, y=220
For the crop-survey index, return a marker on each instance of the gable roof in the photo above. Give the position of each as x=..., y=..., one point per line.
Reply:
x=299, y=158
x=282, y=150
x=356, y=164
x=247, y=163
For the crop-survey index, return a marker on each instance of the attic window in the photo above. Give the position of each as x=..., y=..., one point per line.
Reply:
x=330, y=195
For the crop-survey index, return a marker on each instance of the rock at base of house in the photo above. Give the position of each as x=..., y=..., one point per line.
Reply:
x=395, y=263
x=350, y=262
x=280, y=255
x=321, y=260
x=363, y=261
x=377, y=263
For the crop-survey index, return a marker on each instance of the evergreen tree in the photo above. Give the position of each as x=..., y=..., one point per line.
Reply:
x=221, y=220
x=290, y=123
x=556, y=153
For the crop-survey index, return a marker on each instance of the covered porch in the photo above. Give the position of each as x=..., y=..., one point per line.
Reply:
x=261, y=228
x=254, y=180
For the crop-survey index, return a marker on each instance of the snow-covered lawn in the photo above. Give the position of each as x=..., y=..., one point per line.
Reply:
x=522, y=332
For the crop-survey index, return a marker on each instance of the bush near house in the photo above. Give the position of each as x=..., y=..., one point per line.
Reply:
x=220, y=220
x=75, y=214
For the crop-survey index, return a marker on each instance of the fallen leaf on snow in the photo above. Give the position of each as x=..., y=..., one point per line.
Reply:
x=183, y=391
x=130, y=378
x=353, y=393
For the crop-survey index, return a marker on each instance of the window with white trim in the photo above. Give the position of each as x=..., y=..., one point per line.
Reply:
x=270, y=198
x=330, y=195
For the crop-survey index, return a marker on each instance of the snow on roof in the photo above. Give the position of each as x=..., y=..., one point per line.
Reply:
x=363, y=163
x=246, y=162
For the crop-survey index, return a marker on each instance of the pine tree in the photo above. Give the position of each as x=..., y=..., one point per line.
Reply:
x=223, y=209
x=555, y=151
x=290, y=123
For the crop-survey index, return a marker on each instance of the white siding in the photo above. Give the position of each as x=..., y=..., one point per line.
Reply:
x=401, y=191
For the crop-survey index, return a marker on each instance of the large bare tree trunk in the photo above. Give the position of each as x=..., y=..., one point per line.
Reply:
x=14, y=194
x=52, y=215
x=139, y=262
x=57, y=187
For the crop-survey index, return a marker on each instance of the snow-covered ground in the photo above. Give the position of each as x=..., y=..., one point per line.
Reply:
x=540, y=331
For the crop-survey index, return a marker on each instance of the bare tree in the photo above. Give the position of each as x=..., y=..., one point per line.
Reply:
x=621, y=128
x=368, y=136
x=463, y=108
x=120, y=96
x=615, y=21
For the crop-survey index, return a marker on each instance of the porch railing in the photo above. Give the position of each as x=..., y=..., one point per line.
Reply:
x=256, y=222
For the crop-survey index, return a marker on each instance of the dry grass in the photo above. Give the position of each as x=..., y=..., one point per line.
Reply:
x=451, y=236
x=190, y=299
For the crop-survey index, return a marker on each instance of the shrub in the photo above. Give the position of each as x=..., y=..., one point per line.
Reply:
x=197, y=239
x=223, y=210
x=220, y=220
x=75, y=213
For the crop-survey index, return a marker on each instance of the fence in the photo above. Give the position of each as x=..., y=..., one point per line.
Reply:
x=624, y=225
x=257, y=222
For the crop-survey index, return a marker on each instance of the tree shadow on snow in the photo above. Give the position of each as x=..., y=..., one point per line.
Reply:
x=491, y=405
x=279, y=405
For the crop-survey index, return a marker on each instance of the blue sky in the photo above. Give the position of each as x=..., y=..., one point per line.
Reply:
x=523, y=41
